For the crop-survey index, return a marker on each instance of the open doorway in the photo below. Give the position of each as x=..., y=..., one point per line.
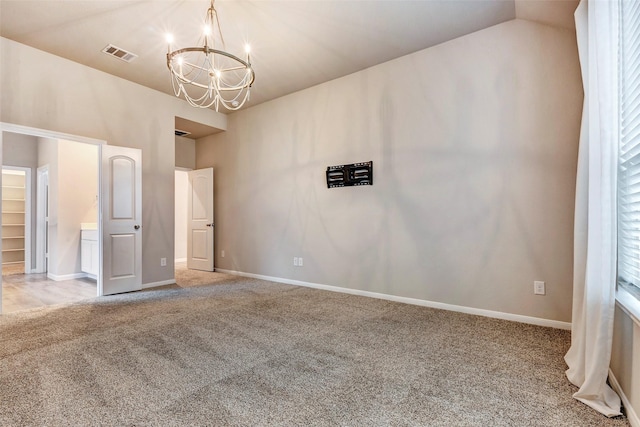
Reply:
x=42, y=228
x=194, y=224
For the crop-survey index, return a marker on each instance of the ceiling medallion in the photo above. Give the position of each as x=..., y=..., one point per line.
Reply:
x=207, y=76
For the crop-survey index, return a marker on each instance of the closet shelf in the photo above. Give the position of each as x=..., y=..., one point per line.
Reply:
x=14, y=206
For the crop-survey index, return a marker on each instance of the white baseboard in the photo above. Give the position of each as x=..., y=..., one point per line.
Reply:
x=180, y=260
x=413, y=301
x=160, y=283
x=60, y=277
x=633, y=418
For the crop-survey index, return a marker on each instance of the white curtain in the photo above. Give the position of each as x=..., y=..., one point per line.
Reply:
x=595, y=217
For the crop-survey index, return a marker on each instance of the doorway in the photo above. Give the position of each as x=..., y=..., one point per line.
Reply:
x=194, y=225
x=30, y=159
x=50, y=273
x=117, y=233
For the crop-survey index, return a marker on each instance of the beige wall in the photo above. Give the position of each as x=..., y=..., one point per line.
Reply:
x=78, y=100
x=185, y=153
x=474, y=144
x=77, y=200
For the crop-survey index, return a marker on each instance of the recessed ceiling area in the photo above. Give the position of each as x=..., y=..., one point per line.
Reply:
x=294, y=44
x=196, y=130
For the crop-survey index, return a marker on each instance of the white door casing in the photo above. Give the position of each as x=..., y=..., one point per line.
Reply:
x=200, y=220
x=42, y=219
x=121, y=211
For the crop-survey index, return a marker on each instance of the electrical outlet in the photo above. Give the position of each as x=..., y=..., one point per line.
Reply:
x=295, y=261
x=539, y=288
x=222, y=253
x=300, y=262
x=163, y=262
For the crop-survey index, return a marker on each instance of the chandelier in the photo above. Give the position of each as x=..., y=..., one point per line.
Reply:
x=207, y=76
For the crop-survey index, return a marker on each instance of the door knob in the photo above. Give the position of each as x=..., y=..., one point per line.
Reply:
x=137, y=227
x=210, y=225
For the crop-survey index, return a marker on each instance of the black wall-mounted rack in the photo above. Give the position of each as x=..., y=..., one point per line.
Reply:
x=350, y=175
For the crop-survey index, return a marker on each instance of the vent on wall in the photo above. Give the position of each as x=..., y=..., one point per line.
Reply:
x=182, y=132
x=119, y=53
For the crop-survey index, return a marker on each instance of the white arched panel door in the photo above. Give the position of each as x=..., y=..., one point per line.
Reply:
x=200, y=220
x=121, y=187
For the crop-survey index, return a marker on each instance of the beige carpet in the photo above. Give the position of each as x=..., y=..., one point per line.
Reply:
x=229, y=351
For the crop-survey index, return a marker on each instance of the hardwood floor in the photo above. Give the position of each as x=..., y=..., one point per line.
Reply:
x=25, y=291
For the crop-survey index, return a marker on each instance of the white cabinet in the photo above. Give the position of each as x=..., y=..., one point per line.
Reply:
x=89, y=252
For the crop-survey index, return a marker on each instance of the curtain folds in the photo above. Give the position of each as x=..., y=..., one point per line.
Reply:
x=595, y=238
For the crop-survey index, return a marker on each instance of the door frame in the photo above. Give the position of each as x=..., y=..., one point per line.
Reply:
x=42, y=220
x=44, y=133
x=184, y=224
x=27, y=214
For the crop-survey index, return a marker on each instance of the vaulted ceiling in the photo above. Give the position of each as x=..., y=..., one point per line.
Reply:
x=295, y=43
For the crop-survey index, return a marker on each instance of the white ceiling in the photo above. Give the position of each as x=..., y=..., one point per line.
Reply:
x=295, y=43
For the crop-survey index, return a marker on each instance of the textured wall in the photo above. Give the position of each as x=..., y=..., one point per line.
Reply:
x=77, y=201
x=185, y=153
x=474, y=144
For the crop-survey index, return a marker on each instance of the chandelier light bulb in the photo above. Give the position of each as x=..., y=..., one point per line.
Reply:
x=207, y=30
x=169, y=38
x=247, y=48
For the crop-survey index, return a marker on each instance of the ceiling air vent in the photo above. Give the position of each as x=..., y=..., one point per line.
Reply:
x=182, y=132
x=119, y=53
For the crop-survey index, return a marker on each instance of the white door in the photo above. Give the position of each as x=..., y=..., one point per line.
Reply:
x=200, y=220
x=121, y=208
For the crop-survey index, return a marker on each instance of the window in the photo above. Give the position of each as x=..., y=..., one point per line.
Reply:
x=629, y=162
